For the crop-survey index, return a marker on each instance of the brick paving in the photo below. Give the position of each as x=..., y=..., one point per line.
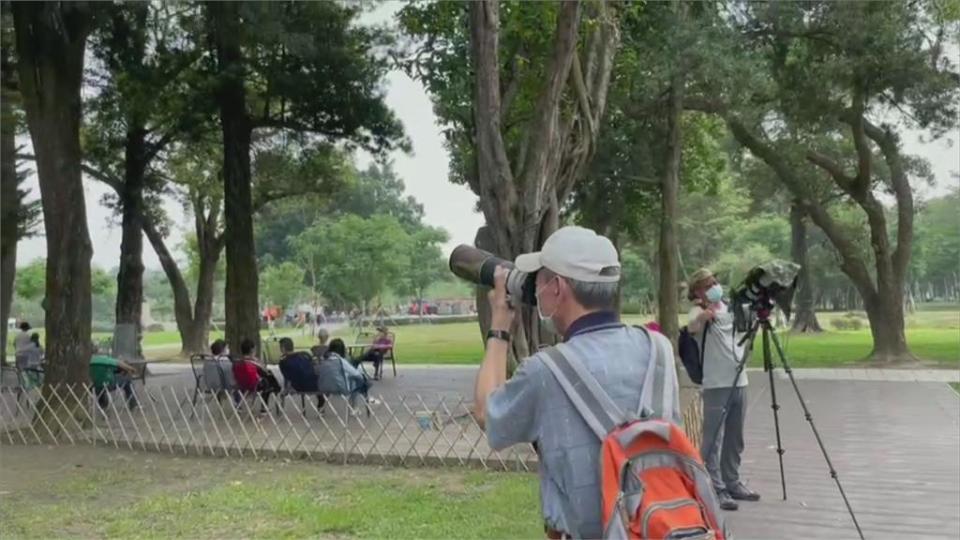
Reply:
x=895, y=445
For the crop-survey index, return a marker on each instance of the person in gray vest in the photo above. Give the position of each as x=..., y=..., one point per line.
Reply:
x=722, y=441
x=577, y=279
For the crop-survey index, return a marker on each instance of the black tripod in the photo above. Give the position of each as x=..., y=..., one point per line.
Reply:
x=763, y=322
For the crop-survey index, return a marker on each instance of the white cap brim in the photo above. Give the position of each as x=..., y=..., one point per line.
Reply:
x=576, y=253
x=529, y=262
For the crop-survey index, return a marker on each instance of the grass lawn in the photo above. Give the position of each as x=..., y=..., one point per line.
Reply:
x=934, y=336
x=938, y=346
x=89, y=492
x=956, y=386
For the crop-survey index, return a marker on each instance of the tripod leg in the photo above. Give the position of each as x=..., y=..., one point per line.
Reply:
x=768, y=366
x=816, y=434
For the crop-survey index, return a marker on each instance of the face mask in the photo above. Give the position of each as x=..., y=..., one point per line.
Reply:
x=715, y=293
x=545, y=320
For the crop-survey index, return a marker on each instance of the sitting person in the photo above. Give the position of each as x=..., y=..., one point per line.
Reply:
x=31, y=356
x=29, y=361
x=297, y=369
x=382, y=343
x=107, y=374
x=338, y=376
x=320, y=349
x=218, y=371
x=250, y=376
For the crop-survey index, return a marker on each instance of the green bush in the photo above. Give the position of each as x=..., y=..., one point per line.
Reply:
x=100, y=327
x=847, y=323
x=155, y=327
x=631, y=308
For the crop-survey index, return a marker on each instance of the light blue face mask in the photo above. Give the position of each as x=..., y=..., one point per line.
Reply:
x=715, y=293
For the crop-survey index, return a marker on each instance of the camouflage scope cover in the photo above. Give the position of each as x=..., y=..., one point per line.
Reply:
x=775, y=273
x=774, y=280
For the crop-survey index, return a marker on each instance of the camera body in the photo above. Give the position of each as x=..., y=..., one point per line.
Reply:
x=766, y=286
x=478, y=266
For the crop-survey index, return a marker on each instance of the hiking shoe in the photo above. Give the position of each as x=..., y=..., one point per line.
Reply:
x=726, y=502
x=741, y=492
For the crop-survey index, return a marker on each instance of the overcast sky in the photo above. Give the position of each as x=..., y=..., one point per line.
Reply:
x=424, y=171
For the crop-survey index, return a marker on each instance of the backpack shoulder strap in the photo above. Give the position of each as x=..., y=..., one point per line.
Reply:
x=659, y=396
x=584, y=391
x=703, y=340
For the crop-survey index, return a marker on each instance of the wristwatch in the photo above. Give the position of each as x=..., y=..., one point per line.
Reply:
x=499, y=334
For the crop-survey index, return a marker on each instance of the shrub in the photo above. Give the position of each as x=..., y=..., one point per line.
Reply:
x=155, y=327
x=101, y=327
x=847, y=323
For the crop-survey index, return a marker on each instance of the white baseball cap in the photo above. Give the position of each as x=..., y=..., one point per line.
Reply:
x=575, y=253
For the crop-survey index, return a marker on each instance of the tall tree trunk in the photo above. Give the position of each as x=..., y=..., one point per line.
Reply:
x=805, y=318
x=669, y=189
x=193, y=321
x=51, y=39
x=242, y=295
x=9, y=211
x=516, y=206
x=130, y=275
x=182, y=312
x=203, y=304
x=885, y=313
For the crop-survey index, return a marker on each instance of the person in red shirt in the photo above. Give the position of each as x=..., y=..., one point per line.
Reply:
x=251, y=376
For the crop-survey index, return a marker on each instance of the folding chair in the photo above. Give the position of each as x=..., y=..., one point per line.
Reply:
x=390, y=354
x=211, y=377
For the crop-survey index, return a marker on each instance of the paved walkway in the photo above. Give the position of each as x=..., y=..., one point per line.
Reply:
x=895, y=445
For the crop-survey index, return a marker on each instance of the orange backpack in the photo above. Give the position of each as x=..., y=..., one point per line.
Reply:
x=652, y=480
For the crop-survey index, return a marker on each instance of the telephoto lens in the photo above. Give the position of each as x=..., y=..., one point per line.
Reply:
x=478, y=266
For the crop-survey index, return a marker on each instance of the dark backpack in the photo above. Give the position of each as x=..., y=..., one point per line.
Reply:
x=691, y=354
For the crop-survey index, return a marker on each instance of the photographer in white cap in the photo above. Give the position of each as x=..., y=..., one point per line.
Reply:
x=577, y=280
